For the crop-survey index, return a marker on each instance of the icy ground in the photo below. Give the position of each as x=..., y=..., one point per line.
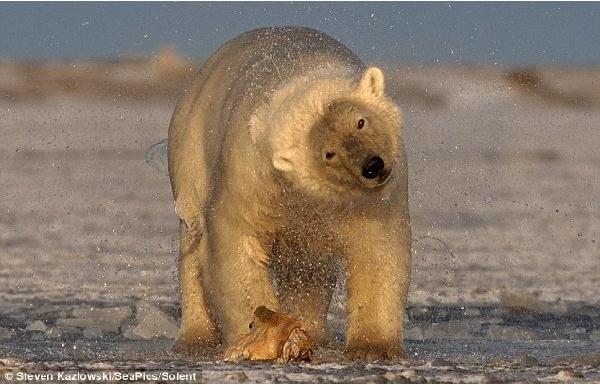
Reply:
x=445, y=343
x=504, y=203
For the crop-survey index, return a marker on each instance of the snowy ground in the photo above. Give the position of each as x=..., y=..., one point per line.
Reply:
x=504, y=201
x=446, y=344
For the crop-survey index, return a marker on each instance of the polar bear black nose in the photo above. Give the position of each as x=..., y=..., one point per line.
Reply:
x=372, y=167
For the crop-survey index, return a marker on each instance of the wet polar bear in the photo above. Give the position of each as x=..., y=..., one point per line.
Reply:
x=286, y=162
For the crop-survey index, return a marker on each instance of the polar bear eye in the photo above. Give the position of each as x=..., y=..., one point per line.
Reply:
x=329, y=155
x=251, y=325
x=360, y=124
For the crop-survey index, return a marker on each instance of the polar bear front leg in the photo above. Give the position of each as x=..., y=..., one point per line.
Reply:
x=240, y=279
x=378, y=274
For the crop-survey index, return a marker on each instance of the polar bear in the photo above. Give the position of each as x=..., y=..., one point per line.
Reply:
x=286, y=162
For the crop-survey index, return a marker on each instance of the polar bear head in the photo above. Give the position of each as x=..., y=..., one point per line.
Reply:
x=355, y=144
x=349, y=142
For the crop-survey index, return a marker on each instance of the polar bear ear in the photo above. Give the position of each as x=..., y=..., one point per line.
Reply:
x=372, y=82
x=282, y=161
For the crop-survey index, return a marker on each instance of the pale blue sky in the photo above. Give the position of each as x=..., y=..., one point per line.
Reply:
x=479, y=33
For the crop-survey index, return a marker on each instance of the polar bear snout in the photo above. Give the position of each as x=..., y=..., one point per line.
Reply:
x=373, y=167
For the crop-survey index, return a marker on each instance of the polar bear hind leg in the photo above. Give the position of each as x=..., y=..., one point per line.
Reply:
x=197, y=331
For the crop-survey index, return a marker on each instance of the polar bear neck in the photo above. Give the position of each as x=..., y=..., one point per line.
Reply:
x=281, y=127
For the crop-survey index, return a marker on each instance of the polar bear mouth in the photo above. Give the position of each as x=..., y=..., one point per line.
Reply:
x=384, y=176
